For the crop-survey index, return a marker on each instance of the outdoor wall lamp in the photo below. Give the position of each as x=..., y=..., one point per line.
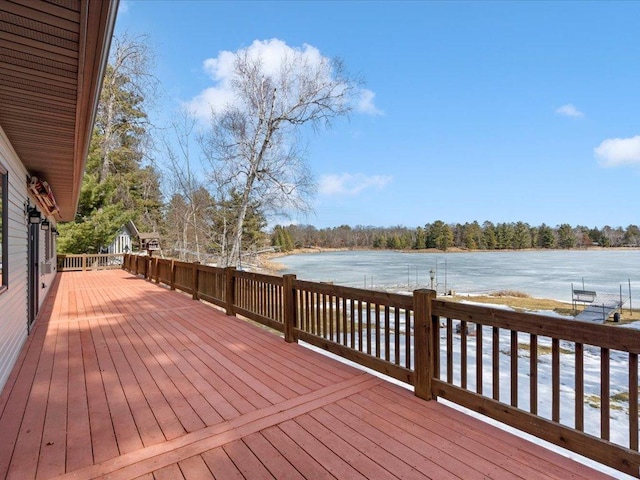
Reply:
x=34, y=215
x=45, y=225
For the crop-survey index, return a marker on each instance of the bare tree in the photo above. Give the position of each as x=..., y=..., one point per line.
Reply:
x=128, y=91
x=254, y=143
x=189, y=226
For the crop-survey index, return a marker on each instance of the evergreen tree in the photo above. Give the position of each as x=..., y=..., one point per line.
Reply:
x=420, y=239
x=546, y=238
x=566, y=236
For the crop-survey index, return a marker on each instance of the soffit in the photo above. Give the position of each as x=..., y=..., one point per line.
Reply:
x=52, y=58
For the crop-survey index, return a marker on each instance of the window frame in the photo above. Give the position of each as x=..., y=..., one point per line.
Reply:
x=4, y=225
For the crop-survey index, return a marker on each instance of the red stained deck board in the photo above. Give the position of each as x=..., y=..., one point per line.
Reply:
x=195, y=468
x=246, y=462
x=194, y=370
x=273, y=460
x=302, y=461
x=221, y=465
x=79, y=453
x=365, y=445
x=439, y=448
x=476, y=431
x=125, y=378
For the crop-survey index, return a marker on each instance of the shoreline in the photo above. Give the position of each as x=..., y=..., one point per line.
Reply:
x=268, y=264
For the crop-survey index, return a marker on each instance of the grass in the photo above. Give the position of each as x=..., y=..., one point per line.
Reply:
x=617, y=401
x=543, y=349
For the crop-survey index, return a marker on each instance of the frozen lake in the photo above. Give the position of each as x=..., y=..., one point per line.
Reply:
x=544, y=274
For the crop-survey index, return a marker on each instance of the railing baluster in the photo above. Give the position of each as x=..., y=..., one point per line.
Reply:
x=407, y=339
x=333, y=328
x=533, y=374
x=514, y=368
x=352, y=321
x=495, y=363
x=338, y=319
x=555, y=380
x=359, y=325
x=449, y=350
x=377, y=320
x=387, y=333
x=633, y=401
x=345, y=330
x=463, y=353
x=479, y=352
x=605, y=386
x=396, y=337
x=579, y=386
x=324, y=314
x=369, y=332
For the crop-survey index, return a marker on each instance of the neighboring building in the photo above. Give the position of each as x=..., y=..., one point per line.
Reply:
x=52, y=61
x=129, y=239
x=125, y=239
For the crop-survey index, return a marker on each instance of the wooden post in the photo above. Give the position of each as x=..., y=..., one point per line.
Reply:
x=172, y=276
x=289, y=312
x=156, y=270
x=84, y=262
x=424, y=348
x=230, y=290
x=194, y=280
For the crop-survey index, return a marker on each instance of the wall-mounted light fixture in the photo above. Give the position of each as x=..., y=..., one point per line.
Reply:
x=45, y=225
x=34, y=215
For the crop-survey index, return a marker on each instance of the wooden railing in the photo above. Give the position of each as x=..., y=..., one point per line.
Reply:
x=98, y=261
x=496, y=362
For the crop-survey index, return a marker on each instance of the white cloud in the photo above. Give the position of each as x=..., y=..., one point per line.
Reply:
x=615, y=152
x=365, y=103
x=351, y=184
x=569, y=110
x=271, y=53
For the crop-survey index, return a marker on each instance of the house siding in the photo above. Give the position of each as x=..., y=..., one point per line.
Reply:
x=14, y=300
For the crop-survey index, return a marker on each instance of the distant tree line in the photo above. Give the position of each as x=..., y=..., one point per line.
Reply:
x=443, y=236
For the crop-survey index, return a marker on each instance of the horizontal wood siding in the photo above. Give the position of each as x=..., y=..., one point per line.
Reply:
x=13, y=301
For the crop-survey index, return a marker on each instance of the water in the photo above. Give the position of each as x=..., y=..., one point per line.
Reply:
x=543, y=274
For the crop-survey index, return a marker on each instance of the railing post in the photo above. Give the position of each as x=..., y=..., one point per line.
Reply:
x=424, y=347
x=157, y=269
x=194, y=280
x=84, y=262
x=289, y=312
x=172, y=276
x=230, y=281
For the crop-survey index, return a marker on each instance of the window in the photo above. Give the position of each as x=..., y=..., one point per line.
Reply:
x=4, y=228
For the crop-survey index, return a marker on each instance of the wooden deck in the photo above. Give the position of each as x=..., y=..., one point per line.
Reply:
x=123, y=379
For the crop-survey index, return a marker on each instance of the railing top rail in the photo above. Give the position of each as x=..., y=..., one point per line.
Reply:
x=259, y=277
x=80, y=255
x=616, y=338
x=372, y=296
x=211, y=269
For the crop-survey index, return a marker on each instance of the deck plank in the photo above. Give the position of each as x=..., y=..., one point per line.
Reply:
x=136, y=381
x=79, y=453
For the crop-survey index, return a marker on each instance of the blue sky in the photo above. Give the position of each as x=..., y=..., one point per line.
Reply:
x=500, y=111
